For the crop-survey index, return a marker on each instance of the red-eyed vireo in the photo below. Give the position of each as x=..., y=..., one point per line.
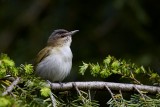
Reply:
x=54, y=62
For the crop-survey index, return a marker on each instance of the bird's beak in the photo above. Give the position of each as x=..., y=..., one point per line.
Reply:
x=72, y=32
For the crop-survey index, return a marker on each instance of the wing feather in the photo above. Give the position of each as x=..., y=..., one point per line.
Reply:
x=42, y=54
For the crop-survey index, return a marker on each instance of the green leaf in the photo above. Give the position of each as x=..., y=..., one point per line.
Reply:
x=14, y=71
x=6, y=60
x=95, y=69
x=142, y=68
x=115, y=64
x=2, y=72
x=45, y=91
x=107, y=60
x=137, y=71
x=83, y=68
x=115, y=71
x=105, y=73
x=4, y=102
x=28, y=68
x=153, y=76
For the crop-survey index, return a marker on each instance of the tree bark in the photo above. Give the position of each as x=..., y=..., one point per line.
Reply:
x=96, y=85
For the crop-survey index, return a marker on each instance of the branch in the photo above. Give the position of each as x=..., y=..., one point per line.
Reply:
x=11, y=87
x=112, y=95
x=74, y=85
x=52, y=96
x=140, y=93
x=95, y=85
x=53, y=100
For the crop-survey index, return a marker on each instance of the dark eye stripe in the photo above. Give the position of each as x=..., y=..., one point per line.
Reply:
x=62, y=36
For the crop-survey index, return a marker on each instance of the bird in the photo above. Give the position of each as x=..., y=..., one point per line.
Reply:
x=54, y=62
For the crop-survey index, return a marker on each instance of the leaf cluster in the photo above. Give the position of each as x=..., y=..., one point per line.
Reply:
x=126, y=69
x=31, y=91
x=136, y=100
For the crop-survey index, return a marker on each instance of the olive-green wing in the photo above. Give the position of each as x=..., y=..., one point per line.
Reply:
x=42, y=54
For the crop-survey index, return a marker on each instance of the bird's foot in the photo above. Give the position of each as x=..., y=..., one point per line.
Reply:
x=61, y=84
x=49, y=82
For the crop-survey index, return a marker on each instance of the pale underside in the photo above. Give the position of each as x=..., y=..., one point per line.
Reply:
x=57, y=65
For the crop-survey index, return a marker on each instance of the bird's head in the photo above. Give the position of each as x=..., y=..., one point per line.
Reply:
x=61, y=37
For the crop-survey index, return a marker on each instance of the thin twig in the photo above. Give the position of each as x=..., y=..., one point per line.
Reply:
x=89, y=94
x=121, y=94
x=11, y=87
x=112, y=95
x=53, y=100
x=97, y=85
x=75, y=86
x=134, y=79
x=139, y=92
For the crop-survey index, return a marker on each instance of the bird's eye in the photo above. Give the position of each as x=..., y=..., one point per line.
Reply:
x=62, y=36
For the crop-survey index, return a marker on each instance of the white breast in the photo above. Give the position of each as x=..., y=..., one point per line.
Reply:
x=57, y=65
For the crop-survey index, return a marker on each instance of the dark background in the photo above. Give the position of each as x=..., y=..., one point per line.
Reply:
x=127, y=29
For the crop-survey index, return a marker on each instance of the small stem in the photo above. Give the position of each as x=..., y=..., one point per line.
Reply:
x=52, y=96
x=74, y=85
x=11, y=87
x=136, y=80
x=53, y=100
x=121, y=93
x=89, y=94
x=133, y=78
x=139, y=92
x=112, y=95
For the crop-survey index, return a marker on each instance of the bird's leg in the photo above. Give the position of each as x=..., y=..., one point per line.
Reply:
x=61, y=84
x=49, y=82
x=63, y=92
